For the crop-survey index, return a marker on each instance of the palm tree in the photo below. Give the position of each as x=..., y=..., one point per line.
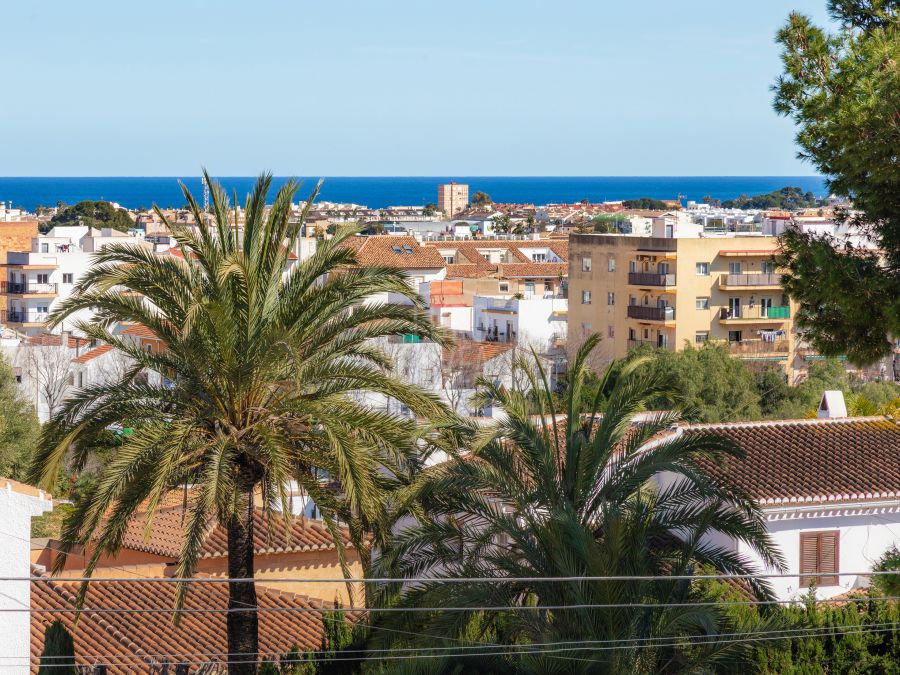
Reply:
x=576, y=495
x=253, y=388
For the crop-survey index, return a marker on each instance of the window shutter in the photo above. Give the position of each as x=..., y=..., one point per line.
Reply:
x=828, y=557
x=809, y=556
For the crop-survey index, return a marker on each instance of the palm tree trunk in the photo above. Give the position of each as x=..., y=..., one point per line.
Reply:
x=243, y=626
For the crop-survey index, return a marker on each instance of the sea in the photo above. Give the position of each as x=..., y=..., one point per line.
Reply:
x=380, y=192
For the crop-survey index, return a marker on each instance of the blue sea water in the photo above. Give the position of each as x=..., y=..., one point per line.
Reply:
x=378, y=192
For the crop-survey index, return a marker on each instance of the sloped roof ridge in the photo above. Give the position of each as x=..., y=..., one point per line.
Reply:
x=783, y=423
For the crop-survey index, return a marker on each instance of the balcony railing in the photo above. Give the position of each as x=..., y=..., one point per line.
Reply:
x=750, y=280
x=648, y=313
x=19, y=288
x=758, y=347
x=650, y=279
x=21, y=316
x=755, y=313
x=634, y=344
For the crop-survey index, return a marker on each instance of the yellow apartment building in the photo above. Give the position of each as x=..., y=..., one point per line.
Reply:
x=669, y=292
x=452, y=198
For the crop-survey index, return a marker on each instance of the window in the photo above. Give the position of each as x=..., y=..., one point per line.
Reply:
x=586, y=327
x=610, y=298
x=611, y=331
x=631, y=334
x=585, y=264
x=702, y=303
x=632, y=266
x=585, y=297
x=504, y=287
x=80, y=380
x=701, y=336
x=449, y=259
x=632, y=300
x=68, y=278
x=529, y=288
x=45, y=248
x=734, y=308
x=538, y=257
x=768, y=267
x=734, y=268
x=43, y=278
x=611, y=265
x=734, y=336
x=819, y=554
x=703, y=269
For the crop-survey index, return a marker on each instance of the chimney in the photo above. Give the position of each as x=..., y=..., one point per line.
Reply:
x=832, y=406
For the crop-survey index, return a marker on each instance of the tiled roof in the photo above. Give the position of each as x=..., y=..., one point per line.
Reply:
x=476, y=353
x=816, y=460
x=169, y=521
x=534, y=269
x=381, y=250
x=141, y=639
x=92, y=354
x=55, y=340
x=138, y=330
x=471, y=263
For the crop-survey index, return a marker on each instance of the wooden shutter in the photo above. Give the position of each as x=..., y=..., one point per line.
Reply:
x=828, y=557
x=819, y=553
x=809, y=557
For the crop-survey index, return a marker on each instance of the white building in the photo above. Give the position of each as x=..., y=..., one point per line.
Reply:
x=19, y=503
x=829, y=490
x=36, y=281
x=533, y=322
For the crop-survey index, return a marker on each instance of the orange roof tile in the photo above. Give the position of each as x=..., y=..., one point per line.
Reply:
x=383, y=250
x=138, y=640
x=138, y=330
x=167, y=529
x=845, y=459
x=92, y=354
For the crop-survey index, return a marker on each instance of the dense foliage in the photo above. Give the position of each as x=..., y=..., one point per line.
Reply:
x=18, y=426
x=539, y=497
x=714, y=387
x=843, y=91
x=647, y=203
x=253, y=388
x=92, y=214
x=481, y=199
x=58, y=657
x=788, y=198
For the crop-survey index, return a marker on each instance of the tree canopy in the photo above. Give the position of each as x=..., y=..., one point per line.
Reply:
x=18, y=426
x=92, y=214
x=788, y=198
x=481, y=199
x=646, y=203
x=843, y=91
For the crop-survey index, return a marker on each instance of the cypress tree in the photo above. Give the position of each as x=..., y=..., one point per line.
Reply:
x=58, y=657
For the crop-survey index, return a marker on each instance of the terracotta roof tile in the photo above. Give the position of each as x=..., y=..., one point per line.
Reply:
x=143, y=638
x=848, y=459
x=137, y=330
x=55, y=340
x=93, y=354
x=382, y=250
x=168, y=524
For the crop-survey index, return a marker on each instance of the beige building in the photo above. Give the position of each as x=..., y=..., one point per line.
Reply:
x=669, y=292
x=452, y=198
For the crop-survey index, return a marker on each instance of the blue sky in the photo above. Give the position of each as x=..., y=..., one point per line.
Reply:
x=398, y=87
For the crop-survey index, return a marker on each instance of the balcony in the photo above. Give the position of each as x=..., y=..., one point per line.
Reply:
x=648, y=313
x=731, y=282
x=27, y=288
x=759, y=348
x=634, y=344
x=651, y=279
x=25, y=317
x=756, y=314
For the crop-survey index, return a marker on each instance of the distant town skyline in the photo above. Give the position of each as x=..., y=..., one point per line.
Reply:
x=403, y=88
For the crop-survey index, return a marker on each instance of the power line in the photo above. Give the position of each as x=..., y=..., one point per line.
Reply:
x=516, y=650
x=462, y=580
x=381, y=610
x=777, y=634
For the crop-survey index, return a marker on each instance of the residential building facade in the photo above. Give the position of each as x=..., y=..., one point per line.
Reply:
x=672, y=291
x=452, y=198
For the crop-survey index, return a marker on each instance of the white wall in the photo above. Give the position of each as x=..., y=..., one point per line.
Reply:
x=865, y=534
x=16, y=511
